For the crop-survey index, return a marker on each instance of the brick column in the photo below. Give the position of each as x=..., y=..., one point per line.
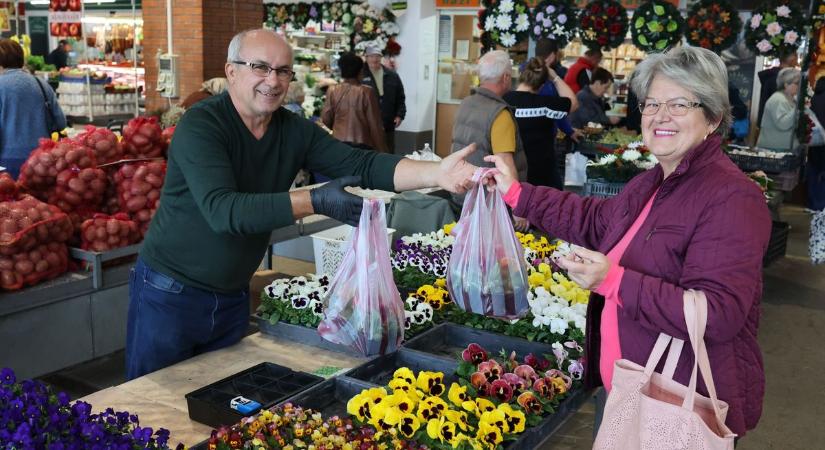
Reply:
x=201, y=31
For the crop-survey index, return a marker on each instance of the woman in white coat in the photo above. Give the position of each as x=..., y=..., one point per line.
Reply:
x=778, y=126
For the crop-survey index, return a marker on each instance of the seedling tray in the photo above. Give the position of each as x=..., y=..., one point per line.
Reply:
x=533, y=437
x=449, y=339
x=379, y=370
x=301, y=335
x=266, y=383
x=330, y=397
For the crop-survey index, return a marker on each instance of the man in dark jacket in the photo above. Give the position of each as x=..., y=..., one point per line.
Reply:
x=390, y=90
x=60, y=55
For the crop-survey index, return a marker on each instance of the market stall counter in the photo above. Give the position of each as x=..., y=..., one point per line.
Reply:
x=159, y=399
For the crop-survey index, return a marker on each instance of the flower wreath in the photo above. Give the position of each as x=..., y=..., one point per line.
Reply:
x=713, y=25
x=506, y=21
x=277, y=16
x=773, y=30
x=554, y=19
x=603, y=24
x=315, y=12
x=656, y=26
x=299, y=15
x=372, y=26
x=339, y=13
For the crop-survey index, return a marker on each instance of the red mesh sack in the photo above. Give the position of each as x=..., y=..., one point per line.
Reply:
x=28, y=222
x=77, y=217
x=143, y=138
x=103, y=232
x=26, y=268
x=8, y=187
x=167, y=136
x=77, y=188
x=103, y=142
x=40, y=170
x=138, y=188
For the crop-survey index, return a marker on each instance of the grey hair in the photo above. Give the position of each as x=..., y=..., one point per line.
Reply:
x=295, y=91
x=235, y=45
x=700, y=71
x=493, y=65
x=786, y=76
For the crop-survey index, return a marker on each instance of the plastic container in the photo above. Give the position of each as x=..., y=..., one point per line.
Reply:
x=266, y=383
x=331, y=245
x=330, y=397
x=786, y=180
x=379, y=370
x=749, y=163
x=300, y=334
x=449, y=340
x=601, y=188
x=778, y=243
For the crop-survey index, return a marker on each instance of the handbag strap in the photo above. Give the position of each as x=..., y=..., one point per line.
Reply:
x=47, y=103
x=696, y=315
x=673, y=354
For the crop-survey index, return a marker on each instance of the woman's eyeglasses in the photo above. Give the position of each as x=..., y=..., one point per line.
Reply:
x=673, y=107
x=263, y=70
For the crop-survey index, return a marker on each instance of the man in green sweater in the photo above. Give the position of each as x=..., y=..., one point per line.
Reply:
x=231, y=163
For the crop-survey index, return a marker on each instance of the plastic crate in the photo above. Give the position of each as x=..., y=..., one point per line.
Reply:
x=749, y=163
x=778, y=243
x=266, y=383
x=331, y=245
x=300, y=334
x=601, y=188
x=449, y=339
x=379, y=370
x=786, y=181
x=331, y=396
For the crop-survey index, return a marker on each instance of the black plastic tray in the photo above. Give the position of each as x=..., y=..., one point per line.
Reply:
x=330, y=397
x=778, y=243
x=449, y=339
x=379, y=370
x=266, y=383
x=533, y=437
x=301, y=334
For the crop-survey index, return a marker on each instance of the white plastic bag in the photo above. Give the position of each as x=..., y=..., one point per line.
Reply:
x=575, y=173
x=816, y=244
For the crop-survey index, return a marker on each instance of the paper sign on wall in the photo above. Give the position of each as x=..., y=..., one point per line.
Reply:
x=64, y=18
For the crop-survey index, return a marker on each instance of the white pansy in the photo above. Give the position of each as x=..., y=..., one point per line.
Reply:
x=558, y=325
x=506, y=6
x=631, y=155
x=503, y=22
x=522, y=22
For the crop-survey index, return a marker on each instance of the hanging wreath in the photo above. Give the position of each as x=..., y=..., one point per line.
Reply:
x=506, y=21
x=338, y=13
x=316, y=11
x=372, y=27
x=773, y=30
x=656, y=26
x=713, y=24
x=554, y=19
x=277, y=16
x=299, y=15
x=603, y=24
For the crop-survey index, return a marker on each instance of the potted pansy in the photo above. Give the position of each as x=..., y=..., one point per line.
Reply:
x=713, y=24
x=603, y=24
x=656, y=26
x=296, y=301
x=421, y=258
x=506, y=22
x=554, y=19
x=774, y=29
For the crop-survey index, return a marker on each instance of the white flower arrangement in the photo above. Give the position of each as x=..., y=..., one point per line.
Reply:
x=506, y=22
x=301, y=291
x=554, y=19
x=372, y=26
x=555, y=312
x=416, y=312
x=436, y=239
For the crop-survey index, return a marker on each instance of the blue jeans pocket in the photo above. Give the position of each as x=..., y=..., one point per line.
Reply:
x=162, y=282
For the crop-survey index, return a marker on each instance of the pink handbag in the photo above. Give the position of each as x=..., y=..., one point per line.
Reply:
x=651, y=411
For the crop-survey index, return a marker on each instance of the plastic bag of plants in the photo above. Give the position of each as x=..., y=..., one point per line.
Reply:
x=363, y=307
x=487, y=273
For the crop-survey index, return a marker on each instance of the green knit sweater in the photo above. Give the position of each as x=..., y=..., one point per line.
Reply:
x=225, y=191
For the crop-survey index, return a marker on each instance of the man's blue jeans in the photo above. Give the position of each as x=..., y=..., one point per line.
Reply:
x=170, y=322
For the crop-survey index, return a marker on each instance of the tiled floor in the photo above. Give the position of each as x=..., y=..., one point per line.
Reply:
x=790, y=334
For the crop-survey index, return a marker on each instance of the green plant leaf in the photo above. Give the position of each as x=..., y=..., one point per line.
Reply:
x=643, y=40
x=661, y=44
x=653, y=26
x=672, y=26
x=640, y=22
x=659, y=10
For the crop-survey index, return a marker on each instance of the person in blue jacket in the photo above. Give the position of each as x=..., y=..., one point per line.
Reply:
x=548, y=50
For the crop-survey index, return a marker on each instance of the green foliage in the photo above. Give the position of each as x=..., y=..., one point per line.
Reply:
x=276, y=310
x=411, y=279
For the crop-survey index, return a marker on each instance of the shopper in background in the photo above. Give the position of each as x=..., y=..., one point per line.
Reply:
x=816, y=153
x=351, y=109
x=548, y=51
x=694, y=221
x=778, y=128
x=484, y=118
x=387, y=84
x=767, y=80
x=210, y=87
x=578, y=75
x=739, y=111
x=295, y=98
x=28, y=109
x=535, y=116
x=230, y=166
x=591, y=101
x=59, y=57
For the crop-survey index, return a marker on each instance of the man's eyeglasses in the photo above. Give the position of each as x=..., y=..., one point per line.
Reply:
x=263, y=70
x=673, y=107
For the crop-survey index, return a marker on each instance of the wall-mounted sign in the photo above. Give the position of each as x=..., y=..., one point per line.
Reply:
x=64, y=18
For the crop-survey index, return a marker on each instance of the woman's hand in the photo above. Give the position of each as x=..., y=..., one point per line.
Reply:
x=504, y=175
x=587, y=268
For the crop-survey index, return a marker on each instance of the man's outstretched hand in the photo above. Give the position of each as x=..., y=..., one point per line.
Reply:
x=455, y=174
x=333, y=201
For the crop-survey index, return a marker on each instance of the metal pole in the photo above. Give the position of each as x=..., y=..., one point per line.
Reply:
x=135, y=57
x=91, y=114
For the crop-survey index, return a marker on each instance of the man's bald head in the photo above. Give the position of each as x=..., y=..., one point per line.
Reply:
x=255, y=37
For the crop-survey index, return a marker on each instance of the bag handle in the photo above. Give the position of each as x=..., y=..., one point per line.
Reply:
x=49, y=119
x=696, y=315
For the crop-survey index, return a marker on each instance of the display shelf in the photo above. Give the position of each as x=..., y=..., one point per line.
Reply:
x=96, y=259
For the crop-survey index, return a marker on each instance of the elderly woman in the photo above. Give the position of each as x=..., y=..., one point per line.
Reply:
x=351, y=109
x=295, y=97
x=694, y=221
x=779, y=119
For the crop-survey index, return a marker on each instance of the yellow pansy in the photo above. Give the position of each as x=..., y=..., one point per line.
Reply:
x=483, y=405
x=457, y=394
x=535, y=279
x=497, y=418
x=489, y=434
x=441, y=429
x=359, y=406
x=430, y=382
x=544, y=268
x=559, y=385
x=404, y=374
x=448, y=228
x=457, y=417
x=515, y=418
x=425, y=291
x=441, y=283
x=408, y=424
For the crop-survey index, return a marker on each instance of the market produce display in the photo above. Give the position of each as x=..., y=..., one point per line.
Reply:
x=103, y=142
x=103, y=232
x=143, y=138
x=138, y=190
x=39, y=173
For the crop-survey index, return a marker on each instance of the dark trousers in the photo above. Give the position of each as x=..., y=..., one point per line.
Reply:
x=390, y=138
x=169, y=322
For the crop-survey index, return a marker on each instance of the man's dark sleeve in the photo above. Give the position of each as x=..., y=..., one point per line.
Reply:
x=583, y=79
x=401, y=109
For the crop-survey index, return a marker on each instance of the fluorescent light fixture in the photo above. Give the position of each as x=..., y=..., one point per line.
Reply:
x=46, y=2
x=110, y=20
